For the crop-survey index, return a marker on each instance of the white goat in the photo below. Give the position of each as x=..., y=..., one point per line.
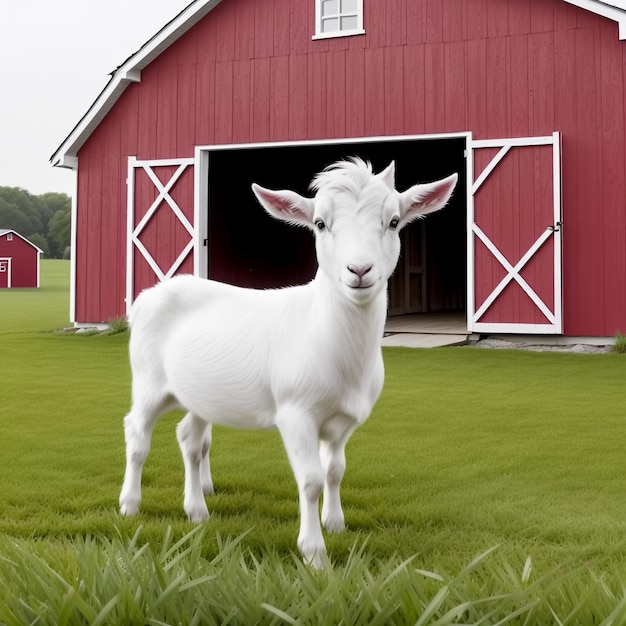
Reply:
x=305, y=360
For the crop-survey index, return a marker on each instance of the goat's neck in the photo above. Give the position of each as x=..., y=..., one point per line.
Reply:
x=360, y=325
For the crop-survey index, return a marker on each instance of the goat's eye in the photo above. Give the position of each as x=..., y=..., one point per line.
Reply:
x=319, y=224
x=394, y=223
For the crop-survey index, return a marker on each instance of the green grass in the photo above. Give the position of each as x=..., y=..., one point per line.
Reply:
x=620, y=343
x=37, y=310
x=466, y=450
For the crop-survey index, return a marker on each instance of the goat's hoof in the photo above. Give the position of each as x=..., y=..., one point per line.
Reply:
x=313, y=555
x=334, y=525
x=129, y=507
x=208, y=490
x=316, y=560
x=197, y=515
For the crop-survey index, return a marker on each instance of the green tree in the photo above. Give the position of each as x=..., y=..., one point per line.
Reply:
x=59, y=228
x=12, y=218
x=29, y=215
x=40, y=242
x=25, y=204
x=50, y=204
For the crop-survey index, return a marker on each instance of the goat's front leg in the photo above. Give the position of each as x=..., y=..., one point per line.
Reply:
x=300, y=438
x=194, y=439
x=334, y=462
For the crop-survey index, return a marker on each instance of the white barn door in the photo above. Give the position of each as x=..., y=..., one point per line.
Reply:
x=514, y=235
x=161, y=231
x=5, y=272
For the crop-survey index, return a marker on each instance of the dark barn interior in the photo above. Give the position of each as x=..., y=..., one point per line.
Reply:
x=247, y=247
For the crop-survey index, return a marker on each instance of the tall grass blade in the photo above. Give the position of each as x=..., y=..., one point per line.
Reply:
x=280, y=614
x=435, y=605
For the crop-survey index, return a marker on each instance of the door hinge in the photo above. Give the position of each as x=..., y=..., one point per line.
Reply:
x=556, y=228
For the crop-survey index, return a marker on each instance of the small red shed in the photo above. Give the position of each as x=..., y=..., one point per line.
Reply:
x=19, y=261
x=524, y=98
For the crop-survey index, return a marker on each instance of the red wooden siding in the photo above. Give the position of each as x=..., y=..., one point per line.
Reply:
x=24, y=261
x=249, y=71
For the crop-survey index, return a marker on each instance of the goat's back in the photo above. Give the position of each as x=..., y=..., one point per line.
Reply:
x=159, y=309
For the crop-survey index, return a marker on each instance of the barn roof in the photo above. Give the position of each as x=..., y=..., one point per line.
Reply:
x=5, y=231
x=130, y=70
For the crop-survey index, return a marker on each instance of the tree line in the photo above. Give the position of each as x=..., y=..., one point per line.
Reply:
x=44, y=220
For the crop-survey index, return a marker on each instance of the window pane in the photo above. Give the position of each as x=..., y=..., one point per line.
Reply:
x=330, y=7
x=330, y=26
x=348, y=6
x=349, y=23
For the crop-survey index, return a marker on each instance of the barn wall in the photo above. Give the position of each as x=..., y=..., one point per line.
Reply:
x=249, y=71
x=24, y=263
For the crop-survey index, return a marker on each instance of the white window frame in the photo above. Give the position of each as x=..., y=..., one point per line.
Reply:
x=319, y=19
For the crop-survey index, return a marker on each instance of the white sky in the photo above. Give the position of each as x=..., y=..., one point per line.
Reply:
x=55, y=57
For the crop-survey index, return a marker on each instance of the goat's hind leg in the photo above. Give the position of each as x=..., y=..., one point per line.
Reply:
x=194, y=439
x=138, y=426
x=206, y=481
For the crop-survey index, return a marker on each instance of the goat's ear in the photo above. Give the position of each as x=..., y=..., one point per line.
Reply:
x=388, y=175
x=421, y=200
x=287, y=206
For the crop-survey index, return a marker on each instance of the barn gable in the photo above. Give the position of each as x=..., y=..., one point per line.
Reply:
x=523, y=98
x=130, y=70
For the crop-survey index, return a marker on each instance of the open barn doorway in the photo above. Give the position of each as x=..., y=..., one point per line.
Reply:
x=246, y=247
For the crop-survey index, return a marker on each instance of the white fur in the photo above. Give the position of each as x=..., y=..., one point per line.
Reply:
x=305, y=360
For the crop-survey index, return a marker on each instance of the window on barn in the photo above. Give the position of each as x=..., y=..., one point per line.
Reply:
x=9, y=236
x=338, y=18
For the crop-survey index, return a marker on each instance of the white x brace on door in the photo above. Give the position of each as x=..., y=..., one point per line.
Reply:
x=514, y=236
x=161, y=235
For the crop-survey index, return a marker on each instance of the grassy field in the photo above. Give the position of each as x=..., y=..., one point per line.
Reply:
x=467, y=451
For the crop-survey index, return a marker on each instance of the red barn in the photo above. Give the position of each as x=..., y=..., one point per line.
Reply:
x=19, y=261
x=524, y=98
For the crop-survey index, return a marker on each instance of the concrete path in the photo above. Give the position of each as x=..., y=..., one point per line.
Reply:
x=423, y=340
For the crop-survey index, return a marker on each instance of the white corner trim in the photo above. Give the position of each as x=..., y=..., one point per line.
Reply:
x=70, y=162
x=132, y=76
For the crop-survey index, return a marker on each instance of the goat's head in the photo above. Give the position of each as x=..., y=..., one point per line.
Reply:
x=356, y=216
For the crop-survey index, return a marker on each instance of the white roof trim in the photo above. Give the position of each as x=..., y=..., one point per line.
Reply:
x=130, y=71
x=614, y=10
x=5, y=231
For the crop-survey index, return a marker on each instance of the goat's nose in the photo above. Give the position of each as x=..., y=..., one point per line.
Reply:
x=359, y=270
